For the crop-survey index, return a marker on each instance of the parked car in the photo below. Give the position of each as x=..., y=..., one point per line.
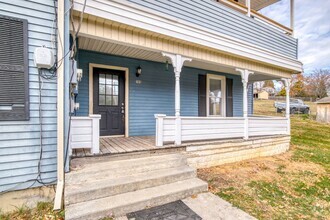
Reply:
x=296, y=105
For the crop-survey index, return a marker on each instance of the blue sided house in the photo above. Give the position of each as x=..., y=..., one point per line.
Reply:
x=132, y=78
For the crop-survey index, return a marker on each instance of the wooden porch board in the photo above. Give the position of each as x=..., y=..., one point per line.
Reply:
x=118, y=145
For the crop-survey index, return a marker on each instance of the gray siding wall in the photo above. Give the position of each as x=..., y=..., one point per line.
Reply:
x=19, y=140
x=155, y=95
x=220, y=18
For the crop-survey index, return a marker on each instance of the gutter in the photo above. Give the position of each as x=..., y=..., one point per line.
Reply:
x=58, y=202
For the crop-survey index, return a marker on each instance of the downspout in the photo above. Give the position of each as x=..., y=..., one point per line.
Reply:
x=58, y=202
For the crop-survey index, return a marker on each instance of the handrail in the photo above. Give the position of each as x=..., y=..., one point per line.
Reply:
x=268, y=20
x=254, y=14
x=234, y=5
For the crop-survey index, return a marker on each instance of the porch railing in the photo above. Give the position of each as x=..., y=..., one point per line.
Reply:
x=257, y=16
x=85, y=133
x=207, y=128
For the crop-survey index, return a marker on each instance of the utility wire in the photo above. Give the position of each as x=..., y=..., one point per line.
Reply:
x=51, y=76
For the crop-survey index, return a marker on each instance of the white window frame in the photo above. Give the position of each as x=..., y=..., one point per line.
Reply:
x=223, y=92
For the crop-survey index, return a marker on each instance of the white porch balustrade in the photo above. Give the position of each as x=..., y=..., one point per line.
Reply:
x=85, y=133
x=177, y=129
x=212, y=128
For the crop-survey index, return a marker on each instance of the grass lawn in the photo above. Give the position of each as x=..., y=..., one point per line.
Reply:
x=43, y=211
x=293, y=185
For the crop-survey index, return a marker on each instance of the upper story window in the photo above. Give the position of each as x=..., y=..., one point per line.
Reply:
x=14, y=97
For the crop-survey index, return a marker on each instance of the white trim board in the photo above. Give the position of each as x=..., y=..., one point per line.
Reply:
x=137, y=16
x=223, y=94
x=91, y=91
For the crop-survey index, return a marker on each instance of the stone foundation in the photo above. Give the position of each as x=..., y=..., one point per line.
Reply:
x=218, y=153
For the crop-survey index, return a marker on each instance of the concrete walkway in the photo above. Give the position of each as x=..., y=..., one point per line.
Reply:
x=211, y=207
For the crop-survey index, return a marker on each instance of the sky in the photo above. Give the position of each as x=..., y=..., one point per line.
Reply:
x=312, y=28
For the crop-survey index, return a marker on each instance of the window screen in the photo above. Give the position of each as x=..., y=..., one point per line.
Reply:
x=14, y=97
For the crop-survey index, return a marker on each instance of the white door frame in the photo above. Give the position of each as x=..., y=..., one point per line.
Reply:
x=223, y=94
x=91, y=89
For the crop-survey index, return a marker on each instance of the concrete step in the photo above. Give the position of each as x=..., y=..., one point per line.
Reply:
x=122, y=204
x=106, y=185
x=125, y=167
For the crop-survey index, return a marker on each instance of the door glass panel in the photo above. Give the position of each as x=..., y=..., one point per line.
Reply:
x=114, y=100
x=215, y=97
x=108, y=100
x=101, y=89
x=115, y=80
x=109, y=90
x=101, y=78
x=115, y=90
x=109, y=79
x=101, y=99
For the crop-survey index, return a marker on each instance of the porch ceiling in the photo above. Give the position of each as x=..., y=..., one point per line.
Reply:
x=91, y=44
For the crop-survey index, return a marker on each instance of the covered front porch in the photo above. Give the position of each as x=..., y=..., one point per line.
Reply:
x=142, y=91
x=168, y=105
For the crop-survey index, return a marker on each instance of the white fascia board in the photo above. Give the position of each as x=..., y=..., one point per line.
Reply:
x=124, y=12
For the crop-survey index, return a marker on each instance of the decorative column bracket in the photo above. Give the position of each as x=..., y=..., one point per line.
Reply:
x=177, y=62
x=245, y=79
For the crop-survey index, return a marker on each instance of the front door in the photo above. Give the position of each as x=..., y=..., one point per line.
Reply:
x=109, y=100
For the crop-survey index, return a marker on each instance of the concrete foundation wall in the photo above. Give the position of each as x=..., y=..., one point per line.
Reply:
x=27, y=197
x=219, y=153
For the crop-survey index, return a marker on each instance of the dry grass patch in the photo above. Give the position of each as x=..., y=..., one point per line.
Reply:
x=294, y=185
x=273, y=187
x=43, y=211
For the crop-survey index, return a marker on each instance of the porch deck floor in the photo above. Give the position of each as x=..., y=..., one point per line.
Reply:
x=117, y=145
x=122, y=145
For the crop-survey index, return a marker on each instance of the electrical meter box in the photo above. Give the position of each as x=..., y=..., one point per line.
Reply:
x=43, y=58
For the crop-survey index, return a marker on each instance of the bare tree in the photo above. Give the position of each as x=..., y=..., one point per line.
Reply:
x=318, y=83
x=258, y=85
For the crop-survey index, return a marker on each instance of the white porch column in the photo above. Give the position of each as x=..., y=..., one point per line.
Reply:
x=245, y=79
x=287, y=84
x=292, y=16
x=248, y=5
x=177, y=62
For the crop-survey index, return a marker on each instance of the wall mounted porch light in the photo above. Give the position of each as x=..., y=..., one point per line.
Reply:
x=138, y=71
x=166, y=65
